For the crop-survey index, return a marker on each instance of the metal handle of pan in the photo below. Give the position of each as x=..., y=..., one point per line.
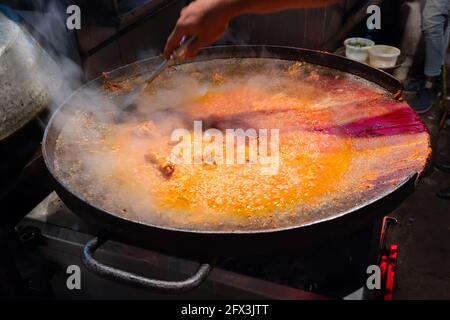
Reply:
x=164, y=286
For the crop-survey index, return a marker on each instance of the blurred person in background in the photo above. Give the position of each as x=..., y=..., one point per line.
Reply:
x=436, y=30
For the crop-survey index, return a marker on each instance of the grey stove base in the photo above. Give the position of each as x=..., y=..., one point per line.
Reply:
x=58, y=236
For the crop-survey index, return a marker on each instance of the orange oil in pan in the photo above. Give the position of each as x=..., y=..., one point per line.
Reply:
x=341, y=140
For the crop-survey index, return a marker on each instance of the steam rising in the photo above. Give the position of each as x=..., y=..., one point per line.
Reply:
x=49, y=24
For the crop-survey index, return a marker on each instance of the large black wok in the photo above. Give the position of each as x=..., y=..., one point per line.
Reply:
x=208, y=245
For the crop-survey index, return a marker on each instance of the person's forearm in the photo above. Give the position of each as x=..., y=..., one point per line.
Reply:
x=238, y=7
x=207, y=20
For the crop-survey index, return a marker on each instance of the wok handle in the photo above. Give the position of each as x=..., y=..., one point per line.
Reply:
x=133, y=279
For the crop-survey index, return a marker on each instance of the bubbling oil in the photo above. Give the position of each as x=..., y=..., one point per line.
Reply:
x=332, y=157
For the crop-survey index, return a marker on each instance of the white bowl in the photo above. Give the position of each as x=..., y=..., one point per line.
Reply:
x=381, y=56
x=358, y=53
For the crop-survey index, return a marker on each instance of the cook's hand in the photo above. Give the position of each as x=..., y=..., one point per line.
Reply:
x=207, y=20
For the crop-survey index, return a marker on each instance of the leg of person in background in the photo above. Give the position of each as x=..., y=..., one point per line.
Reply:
x=436, y=33
x=443, y=166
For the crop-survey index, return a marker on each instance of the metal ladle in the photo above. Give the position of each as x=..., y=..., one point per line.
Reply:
x=176, y=56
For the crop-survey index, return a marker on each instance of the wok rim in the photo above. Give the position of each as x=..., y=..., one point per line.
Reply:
x=120, y=219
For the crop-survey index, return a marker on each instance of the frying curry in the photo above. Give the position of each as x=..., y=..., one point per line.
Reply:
x=342, y=141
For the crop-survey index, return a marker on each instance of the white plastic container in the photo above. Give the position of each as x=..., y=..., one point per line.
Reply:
x=381, y=56
x=357, y=48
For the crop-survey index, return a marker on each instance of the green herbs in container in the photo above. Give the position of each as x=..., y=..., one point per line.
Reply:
x=357, y=48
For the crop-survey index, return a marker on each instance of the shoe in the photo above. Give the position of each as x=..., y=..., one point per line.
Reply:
x=443, y=166
x=444, y=193
x=413, y=85
x=425, y=100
